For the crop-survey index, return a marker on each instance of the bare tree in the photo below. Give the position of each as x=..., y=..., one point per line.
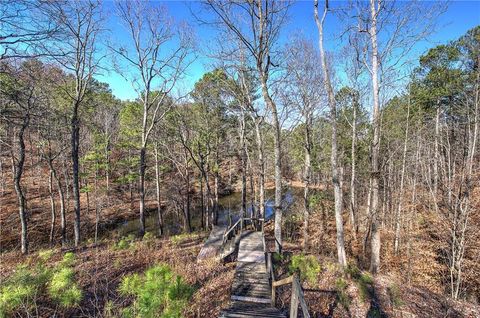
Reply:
x=333, y=118
x=24, y=98
x=81, y=22
x=302, y=90
x=389, y=30
x=257, y=25
x=398, y=216
x=153, y=68
x=26, y=29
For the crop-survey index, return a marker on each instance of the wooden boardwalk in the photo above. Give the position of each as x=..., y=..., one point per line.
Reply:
x=213, y=244
x=251, y=290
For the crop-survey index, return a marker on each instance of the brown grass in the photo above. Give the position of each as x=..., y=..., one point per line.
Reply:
x=100, y=268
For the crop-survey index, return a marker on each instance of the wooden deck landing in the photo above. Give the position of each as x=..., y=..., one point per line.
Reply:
x=213, y=244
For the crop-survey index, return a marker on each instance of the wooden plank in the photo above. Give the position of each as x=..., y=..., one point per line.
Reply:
x=301, y=298
x=213, y=244
x=251, y=299
x=251, y=290
x=287, y=280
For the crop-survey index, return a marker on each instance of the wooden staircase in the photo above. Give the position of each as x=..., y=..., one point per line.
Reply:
x=251, y=290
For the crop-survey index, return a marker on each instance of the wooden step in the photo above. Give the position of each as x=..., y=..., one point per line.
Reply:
x=242, y=309
x=251, y=291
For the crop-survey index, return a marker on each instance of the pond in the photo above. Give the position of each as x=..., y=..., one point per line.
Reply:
x=229, y=204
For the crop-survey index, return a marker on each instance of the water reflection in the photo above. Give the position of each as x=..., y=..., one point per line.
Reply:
x=229, y=205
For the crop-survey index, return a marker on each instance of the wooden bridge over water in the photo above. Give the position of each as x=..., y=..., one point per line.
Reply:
x=254, y=285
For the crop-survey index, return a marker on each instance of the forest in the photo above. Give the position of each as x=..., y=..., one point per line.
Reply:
x=131, y=178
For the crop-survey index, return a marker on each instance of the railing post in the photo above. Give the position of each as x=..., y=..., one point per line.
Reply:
x=273, y=296
x=294, y=297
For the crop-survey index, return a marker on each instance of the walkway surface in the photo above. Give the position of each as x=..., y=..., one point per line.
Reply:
x=213, y=244
x=251, y=293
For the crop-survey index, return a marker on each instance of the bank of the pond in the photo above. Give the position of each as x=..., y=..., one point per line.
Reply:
x=230, y=204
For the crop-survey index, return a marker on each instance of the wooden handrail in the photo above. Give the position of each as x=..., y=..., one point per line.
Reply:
x=279, y=244
x=225, y=235
x=253, y=220
x=297, y=297
x=284, y=281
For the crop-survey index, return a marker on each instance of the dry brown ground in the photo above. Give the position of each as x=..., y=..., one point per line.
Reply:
x=422, y=297
x=99, y=270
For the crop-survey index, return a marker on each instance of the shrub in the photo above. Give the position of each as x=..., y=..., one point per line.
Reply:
x=45, y=255
x=12, y=296
x=125, y=242
x=307, y=265
x=365, y=286
x=68, y=260
x=122, y=245
x=149, y=236
x=395, y=295
x=363, y=280
x=23, y=287
x=62, y=287
x=108, y=309
x=149, y=239
x=277, y=257
x=182, y=238
x=28, y=283
x=157, y=293
x=342, y=296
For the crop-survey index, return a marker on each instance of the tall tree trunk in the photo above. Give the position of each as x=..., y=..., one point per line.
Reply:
x=353, y=221
x=187, y=225
x=107, y=168
x=67, y=200
x=436, y=155
x=75, y=165
x=210, y=208
x=63, y=220
x=278, y=163
x=306, y=179
x=243, y=160
x=18, y=166
x=202, y=204
x=253, y=212
x=473, y=142
x=157, y=183
x=412, y=213
x=244, y=183
x=261, y=164
x=2, y=176
x=375, y=174
x=52, y=206
x=130, y=182
x=141, y=189
x=216, y=180
x=398, y=220
x=342, y=259
x=97, y=204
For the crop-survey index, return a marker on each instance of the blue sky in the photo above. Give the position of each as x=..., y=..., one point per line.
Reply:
x=459, y=18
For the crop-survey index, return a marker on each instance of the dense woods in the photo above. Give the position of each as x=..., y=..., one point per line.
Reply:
x=380, y=140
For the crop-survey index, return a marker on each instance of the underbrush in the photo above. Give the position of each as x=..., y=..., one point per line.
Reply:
x=159, y=292
x=28, y=284
x=122, y=277
x=363, y=280
x=307, y=266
